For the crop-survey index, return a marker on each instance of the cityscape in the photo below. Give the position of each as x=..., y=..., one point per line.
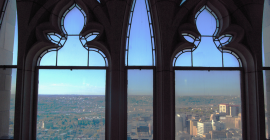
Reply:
x=208, y=118
x=140, y=117
x=71, y=117
x=78, y=117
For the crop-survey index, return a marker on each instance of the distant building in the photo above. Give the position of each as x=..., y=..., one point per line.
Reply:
x=232, y=122
x=47, y=125
x=188, y=126
x=224, y=108
x=197, y=138
x=195, y=130
x=180, y=122
x=195, y=117
x=232, y=110
x=213, y=117
x=206, y=136
x=203, y=127
x=218, y=134
x=238, y=122
x=183, y=136
x=143, y=131
x=217, y=125
x=193, y=124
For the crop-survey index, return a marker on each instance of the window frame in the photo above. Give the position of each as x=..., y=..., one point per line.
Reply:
x=153, y=68
x=240, y=68
x=35, y=96
x=242, y=80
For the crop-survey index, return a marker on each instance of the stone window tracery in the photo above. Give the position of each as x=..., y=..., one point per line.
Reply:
x=209, y=49
x=72, y=48
x=140, y=47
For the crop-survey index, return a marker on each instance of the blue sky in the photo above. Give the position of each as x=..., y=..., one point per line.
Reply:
x=140, y=53
x=207, y=83
x=14, y=60
x=140, y=50
x=79, y=82
x=140, y=82
x=207, y=55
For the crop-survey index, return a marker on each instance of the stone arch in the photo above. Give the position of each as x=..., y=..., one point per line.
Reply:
x=248, y=78
x=30, y=74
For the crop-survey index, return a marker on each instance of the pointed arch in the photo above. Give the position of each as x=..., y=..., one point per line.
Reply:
x=209, y=26
x=54, y=58
x=140, y=47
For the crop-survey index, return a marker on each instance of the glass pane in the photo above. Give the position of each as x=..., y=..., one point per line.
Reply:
x=207, y=55
x=74, y=17
x=49, y=59
x=8, y=36
x=96, y=59
x=184, y=60
x=140, y=105
x=140, y=49
x=189, y=39
x=225, y=40
x=266, y=76
x=266, y=34
x=207, y=105
x=229, y=60
x=71, y=104
x=182, y=2
x=72, y=53
x=206, y=23
x=7, y=105
x=15, y=46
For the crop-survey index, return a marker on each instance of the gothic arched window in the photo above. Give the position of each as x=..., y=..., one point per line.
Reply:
x=207, y=83
x=72, y=82
x=140, y=47
x=140, y=65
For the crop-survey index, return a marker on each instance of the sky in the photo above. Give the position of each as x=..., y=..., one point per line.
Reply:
x=188, y=83
x=140, y=82
x=207, y=55
x=75, y=82
x=92, y=82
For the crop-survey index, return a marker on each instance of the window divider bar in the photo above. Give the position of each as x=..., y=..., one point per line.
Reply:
x=140, y=67
x=8, y=66
x=208, y=68
x=265, y=68
x=71, y=67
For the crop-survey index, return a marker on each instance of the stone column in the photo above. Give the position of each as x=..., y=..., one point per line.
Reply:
x=6, y=57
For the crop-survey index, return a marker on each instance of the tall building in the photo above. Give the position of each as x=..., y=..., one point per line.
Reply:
x=234, y=110
x=217, y=125
x=216, y=134
x=203, y=127
x=231, y=110
x=193, y=127
x=238, y=122
x=224, y=108
x=180, y=122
